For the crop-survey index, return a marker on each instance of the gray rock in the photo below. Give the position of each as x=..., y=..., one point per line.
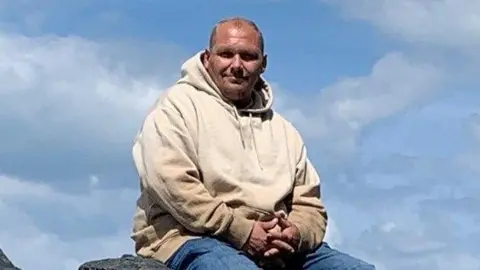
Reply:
x=5, y=263
x=126, y=262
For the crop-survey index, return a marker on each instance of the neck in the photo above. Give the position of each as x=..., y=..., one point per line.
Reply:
x=243, y=103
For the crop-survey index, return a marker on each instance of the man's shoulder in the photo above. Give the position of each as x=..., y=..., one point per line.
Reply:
x=287, y=124
x=178, y=96
x=177, y=93
x=282, y=119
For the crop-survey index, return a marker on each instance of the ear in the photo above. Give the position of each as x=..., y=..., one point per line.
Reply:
x=264, y=64
x=205, y=58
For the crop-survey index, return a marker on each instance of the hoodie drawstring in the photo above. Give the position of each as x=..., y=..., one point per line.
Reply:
x=255, y=141
x=252, y=131
x=242, y=137
x=194, y=73
x=290, y=167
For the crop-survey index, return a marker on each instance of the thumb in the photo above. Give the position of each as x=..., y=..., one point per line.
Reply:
x=267, y=225
x=284, y=223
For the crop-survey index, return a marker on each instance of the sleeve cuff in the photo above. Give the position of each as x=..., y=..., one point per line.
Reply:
x=239, y=231
x=303, y=244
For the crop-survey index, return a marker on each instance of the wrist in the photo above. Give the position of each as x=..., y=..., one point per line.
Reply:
x=298, y=236
x=301, y=236
x=239, y=231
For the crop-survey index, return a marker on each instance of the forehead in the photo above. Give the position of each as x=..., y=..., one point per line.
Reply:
x=237, y=37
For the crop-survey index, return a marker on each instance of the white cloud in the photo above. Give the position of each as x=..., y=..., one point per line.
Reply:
x=452, y=23
x=394, y=84
x=387, y=204
x=399, y=166
x=64, y=95
x=475, y=125
x=471, y=158
x=64, y=100
x=94, y=180
x=342, y=110
x=408, y=200
x=20, y=233
x=333, y=235
x=96, y=202
x=72, y=84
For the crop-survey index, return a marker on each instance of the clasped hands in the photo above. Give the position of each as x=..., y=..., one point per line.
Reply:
x=271, y=238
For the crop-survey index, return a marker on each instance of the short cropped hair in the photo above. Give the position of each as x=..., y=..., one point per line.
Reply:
x=238, y=22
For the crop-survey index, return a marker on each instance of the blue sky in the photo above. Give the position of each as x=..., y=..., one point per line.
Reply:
x=383, y=92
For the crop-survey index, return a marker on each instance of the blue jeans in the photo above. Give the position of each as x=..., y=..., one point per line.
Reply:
x=209, y=253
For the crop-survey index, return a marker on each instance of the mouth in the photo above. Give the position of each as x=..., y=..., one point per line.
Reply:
x=236, y=80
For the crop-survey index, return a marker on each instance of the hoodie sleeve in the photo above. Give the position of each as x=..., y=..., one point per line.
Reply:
x=308, y=211
x=172, y=178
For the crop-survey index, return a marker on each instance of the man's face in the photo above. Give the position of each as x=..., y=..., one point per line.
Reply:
x=236, y=61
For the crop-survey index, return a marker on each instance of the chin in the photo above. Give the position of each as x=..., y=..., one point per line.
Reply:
x=235, y=94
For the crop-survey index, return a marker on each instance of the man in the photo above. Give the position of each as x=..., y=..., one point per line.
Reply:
x=225, y=181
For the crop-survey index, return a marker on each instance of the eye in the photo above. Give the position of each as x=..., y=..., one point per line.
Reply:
x=226, y=54
x=247, y=56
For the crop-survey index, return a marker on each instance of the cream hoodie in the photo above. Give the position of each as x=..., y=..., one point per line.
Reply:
x=207, y=168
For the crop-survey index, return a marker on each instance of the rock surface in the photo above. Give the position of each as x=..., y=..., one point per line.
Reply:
x=5, y=263
x=126, y=262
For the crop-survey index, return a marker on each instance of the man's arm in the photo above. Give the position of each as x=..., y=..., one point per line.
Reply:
x=172, y=179
x=308, y=213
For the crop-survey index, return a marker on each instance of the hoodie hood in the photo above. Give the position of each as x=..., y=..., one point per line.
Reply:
x=194, y=73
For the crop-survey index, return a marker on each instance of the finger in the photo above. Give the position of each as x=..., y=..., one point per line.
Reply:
x=284, y=223
x=267, y=225
x=271, y=252
x=283, y=246
x=275, y=235
x=290, y=234
x=280, y=214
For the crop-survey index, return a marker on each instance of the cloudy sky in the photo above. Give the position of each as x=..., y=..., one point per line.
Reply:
x=383, y=92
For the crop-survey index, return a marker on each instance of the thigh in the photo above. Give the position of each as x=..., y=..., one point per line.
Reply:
x=327, y=258
x=209, y=253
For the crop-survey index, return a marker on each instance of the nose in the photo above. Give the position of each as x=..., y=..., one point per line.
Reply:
x=236, y=64
x=236, y=61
